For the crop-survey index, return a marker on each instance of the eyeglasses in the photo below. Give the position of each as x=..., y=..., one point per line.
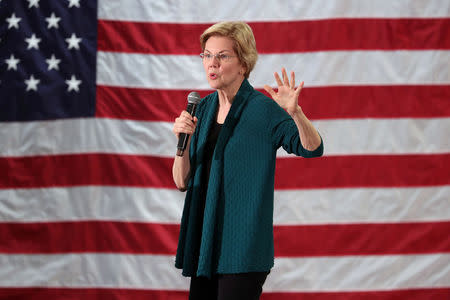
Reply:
x=221, y=57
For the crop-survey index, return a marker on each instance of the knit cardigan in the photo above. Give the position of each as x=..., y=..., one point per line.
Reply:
x=237, y=231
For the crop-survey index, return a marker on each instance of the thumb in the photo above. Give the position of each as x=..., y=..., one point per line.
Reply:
x=299, y=88
x=270, y=90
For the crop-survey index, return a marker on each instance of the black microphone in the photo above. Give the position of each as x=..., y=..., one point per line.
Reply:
x=193, y=100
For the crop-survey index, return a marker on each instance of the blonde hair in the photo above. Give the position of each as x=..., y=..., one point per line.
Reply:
x=243, y=38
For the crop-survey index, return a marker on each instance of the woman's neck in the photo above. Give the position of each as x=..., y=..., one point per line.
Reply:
x=226, y=96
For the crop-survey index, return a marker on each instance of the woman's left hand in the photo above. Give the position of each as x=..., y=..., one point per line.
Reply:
x=287, y=94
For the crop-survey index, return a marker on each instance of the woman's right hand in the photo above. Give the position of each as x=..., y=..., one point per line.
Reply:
x=185, y=123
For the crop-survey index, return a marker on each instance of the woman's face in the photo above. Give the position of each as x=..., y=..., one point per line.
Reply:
x=222, y=74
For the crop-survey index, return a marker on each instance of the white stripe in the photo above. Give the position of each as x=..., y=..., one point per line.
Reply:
x=91, y=270
x=103, y=203
x=322, y=206
x=359, y=273
x=341, y=137
x=90, y=135
x=362, y=205
x=383, y=136
x=315, y=68
x=203, y=11
x=349, y=273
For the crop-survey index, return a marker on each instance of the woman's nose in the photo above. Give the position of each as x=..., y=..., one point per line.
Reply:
x=214, y=61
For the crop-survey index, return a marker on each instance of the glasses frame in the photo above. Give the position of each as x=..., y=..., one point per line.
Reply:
x=221, y=57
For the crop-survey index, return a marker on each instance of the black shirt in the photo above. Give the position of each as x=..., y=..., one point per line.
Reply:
x=208, y=152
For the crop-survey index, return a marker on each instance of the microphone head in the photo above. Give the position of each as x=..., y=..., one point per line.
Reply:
x=194, y=98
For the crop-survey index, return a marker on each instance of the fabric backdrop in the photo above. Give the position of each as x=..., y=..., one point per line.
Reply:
x=88, y=94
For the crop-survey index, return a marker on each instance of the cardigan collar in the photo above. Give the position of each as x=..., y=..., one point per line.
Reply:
x=238, y=105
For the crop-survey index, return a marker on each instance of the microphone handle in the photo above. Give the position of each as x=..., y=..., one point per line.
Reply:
x=184, y=138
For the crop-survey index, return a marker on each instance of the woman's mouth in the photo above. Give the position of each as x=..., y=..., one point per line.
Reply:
x=212, y=76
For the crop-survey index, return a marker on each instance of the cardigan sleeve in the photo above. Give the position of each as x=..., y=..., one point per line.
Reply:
x=285, y=134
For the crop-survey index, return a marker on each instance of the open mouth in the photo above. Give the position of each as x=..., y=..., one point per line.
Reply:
x=213, y=76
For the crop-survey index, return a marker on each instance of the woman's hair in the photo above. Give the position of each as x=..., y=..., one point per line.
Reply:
x=242, y=36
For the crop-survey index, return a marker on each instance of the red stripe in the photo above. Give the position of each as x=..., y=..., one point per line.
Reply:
x=318, y=102
x=362, y=239
x=292, y=36
x=89, y=294
x=86, y=169
x=363, y=171
x=150, y=238
x=410, y=294
x=291, y=173
x=89, y=236
x=127, y=294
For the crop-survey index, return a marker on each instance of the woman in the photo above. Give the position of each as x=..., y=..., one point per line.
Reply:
x=226, y=236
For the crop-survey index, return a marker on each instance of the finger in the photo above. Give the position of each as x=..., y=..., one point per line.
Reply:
x=278, y=79
x=194, y=122
x=285, y=77
x=183, y=122
x=185, y=114
x=270, y=90
x=187, y=118
x=183, y=129
x=176, y=133
x=299, y=88
x=292, y=80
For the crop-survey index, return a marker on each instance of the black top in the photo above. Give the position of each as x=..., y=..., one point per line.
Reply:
x=208, y=152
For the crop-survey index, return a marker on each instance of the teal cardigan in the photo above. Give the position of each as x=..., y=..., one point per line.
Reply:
x=237, y=232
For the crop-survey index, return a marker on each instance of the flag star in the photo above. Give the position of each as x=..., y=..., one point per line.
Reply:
x=53, y=62
x=73, y=84
x=73, y=42
x=33, y=42
x=52, y=21
x=33, y=3
x=74, y=3
x=12, y=62
x=32, y=83
x=13, y=21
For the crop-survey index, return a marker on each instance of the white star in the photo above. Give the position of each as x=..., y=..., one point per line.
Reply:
x=33, y=42
x=33, y=3
x=73, y=42
x=12, y=62
x=52, y=21
x=13, y=21
x=53, y=62
x=74, y=3
x=73, y=84
x=32, y=83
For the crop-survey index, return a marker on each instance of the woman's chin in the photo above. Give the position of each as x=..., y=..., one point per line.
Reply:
x=214, y=84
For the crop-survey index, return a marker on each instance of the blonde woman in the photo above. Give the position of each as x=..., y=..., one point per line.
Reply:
x=228, y=168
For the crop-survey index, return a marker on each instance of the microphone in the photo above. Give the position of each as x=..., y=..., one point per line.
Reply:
x=193, y=100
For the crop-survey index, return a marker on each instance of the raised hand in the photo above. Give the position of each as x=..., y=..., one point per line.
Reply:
x=287, y=94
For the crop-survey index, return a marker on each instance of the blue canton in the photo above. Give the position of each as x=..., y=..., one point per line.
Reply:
x=47, y=59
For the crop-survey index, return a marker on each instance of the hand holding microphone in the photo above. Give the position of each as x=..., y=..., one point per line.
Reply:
x=186, y=123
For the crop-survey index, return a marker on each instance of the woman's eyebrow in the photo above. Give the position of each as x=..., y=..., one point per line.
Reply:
x=219, y=51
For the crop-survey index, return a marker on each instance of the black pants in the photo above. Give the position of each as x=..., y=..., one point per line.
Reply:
x=242, y=286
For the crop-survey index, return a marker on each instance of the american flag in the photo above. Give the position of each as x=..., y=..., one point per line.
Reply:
x=88, y=94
